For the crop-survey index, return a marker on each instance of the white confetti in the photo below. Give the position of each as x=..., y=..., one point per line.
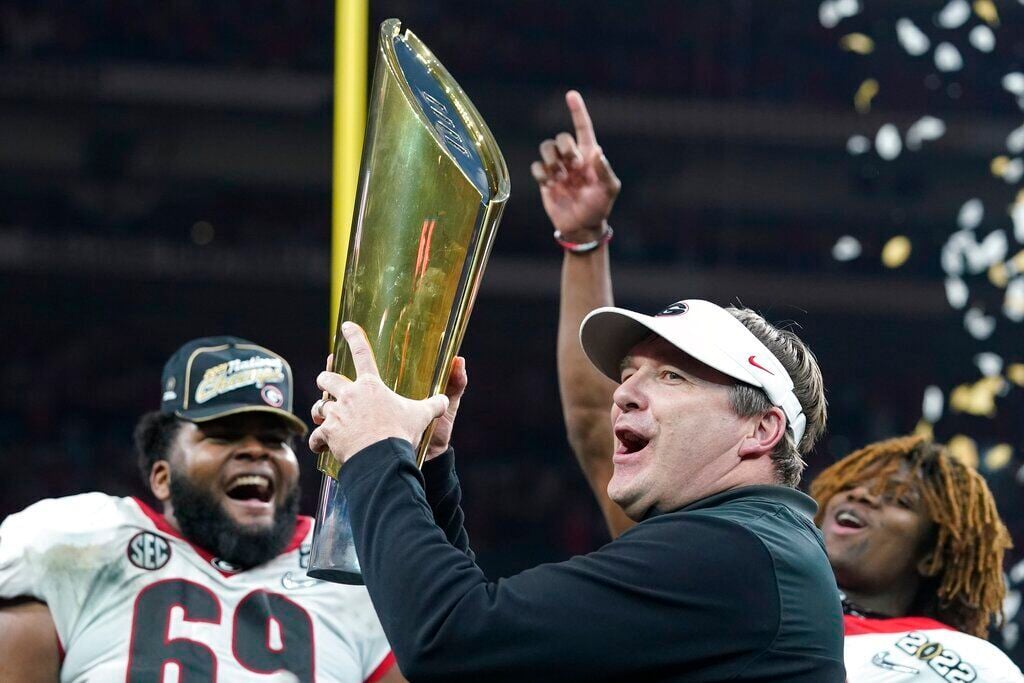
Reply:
x=947, y=57
x=953, y=252
x=1014, y=82
x=924, y=129
x=1013, y=170
x=827, y=14
x=956, y=292
x=989, y=364
x=991, y=250
x=888, y=143
x=1013, y=302
x=982, y=38
x=931, y=404
x=979, y=325
x=857, y=144
x=1015, y=140
x=846, y=248
x=831, y=12
x=970, y=214
x=1017, y=214
x=913, y=39
x=954, y=14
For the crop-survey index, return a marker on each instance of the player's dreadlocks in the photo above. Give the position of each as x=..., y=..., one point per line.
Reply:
x=966, y=590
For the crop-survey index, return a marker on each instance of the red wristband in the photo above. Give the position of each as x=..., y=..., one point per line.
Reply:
x=583, y=247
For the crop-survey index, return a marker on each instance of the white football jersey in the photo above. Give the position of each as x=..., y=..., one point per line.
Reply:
x=921, y=650
x=133, y=601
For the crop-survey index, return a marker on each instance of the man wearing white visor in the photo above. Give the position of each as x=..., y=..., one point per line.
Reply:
x=723, y=575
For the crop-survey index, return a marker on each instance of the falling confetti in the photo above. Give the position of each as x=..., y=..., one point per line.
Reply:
x=1013, y=302
x=925, y=129
x=858, y=43
x=1015, y=140
x=865, y=93
x=831, y=12
x=977, y=399
x=979, y=325
x=982, y=38
x=989, y=364
x=896, y=251
x=956, y=292
x=857, y=144
x=846, y=248
x=931, y=404
x=1013, y=82
x=986, y=9
x=947, y=58
x=1006, y=168
x=971, y=214
x=964, y=449
x=954, y=14
x=913, y=39
x=888, y=143
x=1015, y=373
x=998, y=456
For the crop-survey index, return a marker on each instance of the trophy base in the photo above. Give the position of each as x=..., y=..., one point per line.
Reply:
x=336, y=576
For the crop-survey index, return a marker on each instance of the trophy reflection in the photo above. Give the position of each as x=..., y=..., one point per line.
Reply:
x=432, y=187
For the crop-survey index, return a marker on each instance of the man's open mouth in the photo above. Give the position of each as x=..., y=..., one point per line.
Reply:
x=250, y=487
x=630, y=441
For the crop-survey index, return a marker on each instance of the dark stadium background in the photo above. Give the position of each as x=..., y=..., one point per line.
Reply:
x=164, y=174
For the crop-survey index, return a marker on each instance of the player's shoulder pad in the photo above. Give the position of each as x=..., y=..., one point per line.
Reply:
x=84, y=518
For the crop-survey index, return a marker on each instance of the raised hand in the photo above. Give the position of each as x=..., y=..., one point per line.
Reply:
x=577, y=184
x=366, y=411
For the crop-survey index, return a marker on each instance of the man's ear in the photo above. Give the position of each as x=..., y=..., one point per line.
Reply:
x=160, y=480
x=764, y=435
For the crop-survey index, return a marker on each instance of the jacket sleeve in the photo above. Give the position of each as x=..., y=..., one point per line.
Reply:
x=444, y=495
x=665, y=593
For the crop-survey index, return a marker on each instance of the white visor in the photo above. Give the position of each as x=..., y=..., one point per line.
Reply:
x=700, y=329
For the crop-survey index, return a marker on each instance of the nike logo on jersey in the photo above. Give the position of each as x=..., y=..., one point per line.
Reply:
x=881, y=659
x=291, y=582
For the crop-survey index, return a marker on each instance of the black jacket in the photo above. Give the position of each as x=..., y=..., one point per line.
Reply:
x=734, y=587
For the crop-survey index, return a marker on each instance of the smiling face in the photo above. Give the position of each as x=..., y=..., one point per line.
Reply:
x=242, y=462
x=876, y=535
x=675, y=428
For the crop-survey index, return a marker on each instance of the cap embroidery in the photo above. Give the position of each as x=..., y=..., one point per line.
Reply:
x=236, y=374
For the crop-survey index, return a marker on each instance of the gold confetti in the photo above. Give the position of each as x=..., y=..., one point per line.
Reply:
x=986, y=9
x=1015, y=373
x=896, y=251
x=857, y=42
x=1017, y=262
x=964, y=449
x=865, y=93
x=998, y=456
x=978, y=398
x=998, y=275
x=924, y=429
x=999, y=165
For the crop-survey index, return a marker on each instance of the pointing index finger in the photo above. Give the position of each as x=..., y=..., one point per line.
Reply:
x=581, y=120
x=359, y=346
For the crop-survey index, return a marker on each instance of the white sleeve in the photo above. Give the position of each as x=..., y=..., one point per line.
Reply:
x=995, y=665
x=56, y=541
x=375, y=656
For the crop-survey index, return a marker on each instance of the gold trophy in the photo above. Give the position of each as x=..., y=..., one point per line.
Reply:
x=432, y=188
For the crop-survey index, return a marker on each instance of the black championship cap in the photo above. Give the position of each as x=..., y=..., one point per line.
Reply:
x=214, y=377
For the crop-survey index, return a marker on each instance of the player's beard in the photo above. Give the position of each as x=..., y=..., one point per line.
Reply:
x=204, y=521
